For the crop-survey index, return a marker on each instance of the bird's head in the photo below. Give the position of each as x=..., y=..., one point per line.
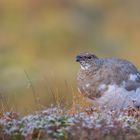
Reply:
x=86, y=60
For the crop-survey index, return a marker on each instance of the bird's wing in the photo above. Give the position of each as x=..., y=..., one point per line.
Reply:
x=133, y=82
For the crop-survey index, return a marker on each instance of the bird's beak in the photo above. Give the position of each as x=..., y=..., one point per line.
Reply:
x=78, y=58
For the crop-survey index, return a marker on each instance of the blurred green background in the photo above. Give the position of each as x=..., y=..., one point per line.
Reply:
x=40, y=38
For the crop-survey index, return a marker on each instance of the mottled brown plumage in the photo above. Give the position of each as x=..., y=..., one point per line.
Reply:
x=96, y=74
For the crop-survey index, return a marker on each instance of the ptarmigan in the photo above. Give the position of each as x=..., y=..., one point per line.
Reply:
x=111, y=82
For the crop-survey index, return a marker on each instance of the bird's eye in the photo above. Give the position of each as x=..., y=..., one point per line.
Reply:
x=89, y=57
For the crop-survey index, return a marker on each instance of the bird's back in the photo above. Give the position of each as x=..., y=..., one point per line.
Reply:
x=122, y=64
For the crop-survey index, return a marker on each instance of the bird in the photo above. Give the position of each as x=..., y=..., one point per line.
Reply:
x=111, y=83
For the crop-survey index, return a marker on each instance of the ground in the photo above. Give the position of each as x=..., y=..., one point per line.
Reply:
x=61, y=124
